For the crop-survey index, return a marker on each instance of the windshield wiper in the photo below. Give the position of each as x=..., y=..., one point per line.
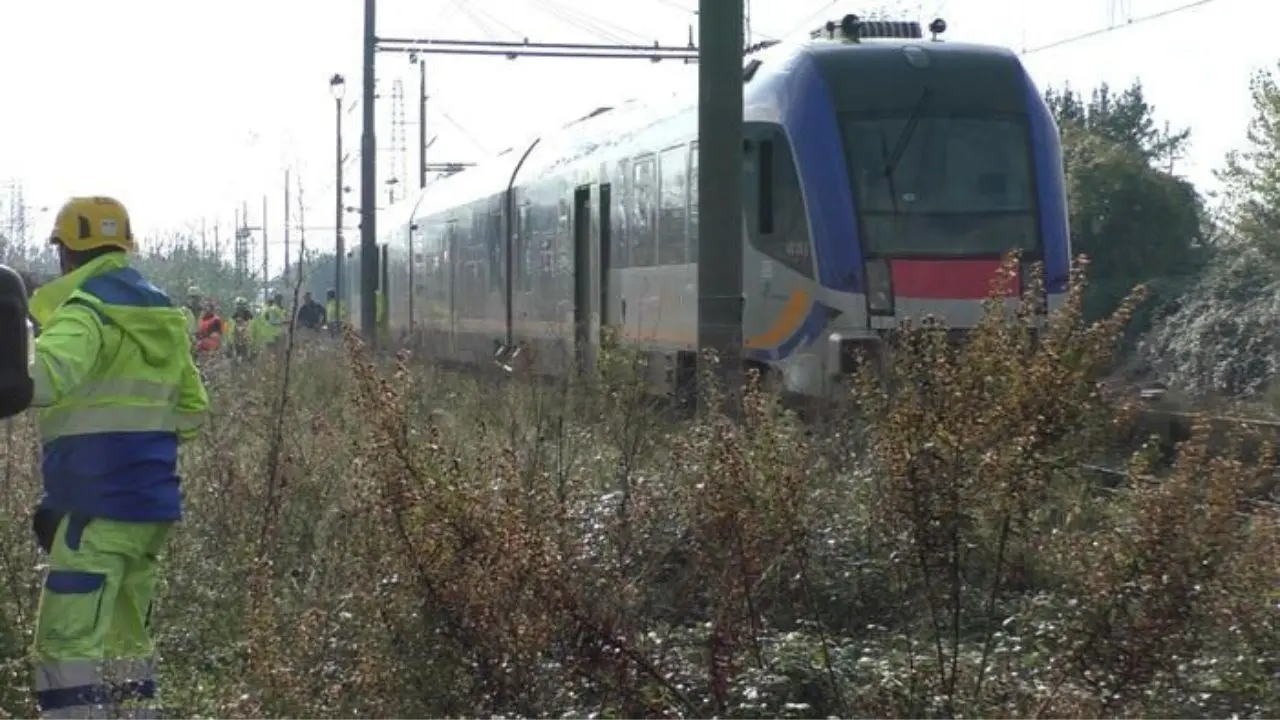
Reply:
x=892, y=159
x=888, y=173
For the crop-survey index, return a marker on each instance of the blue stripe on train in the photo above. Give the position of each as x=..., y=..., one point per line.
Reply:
x=808, y=117
x=1046, y=153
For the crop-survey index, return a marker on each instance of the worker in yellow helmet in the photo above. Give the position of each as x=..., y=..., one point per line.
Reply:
x=241, y=330
x=117, y=391
x=193, y=309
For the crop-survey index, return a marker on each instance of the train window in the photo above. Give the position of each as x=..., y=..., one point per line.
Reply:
x=764, y=198
x=521, y=253
x=642, y=225
x=493, y=237
x=672, y=232
x=606, y=230
x=782, y=230
x=960, y=185
x=693, y=201
x=619, y=252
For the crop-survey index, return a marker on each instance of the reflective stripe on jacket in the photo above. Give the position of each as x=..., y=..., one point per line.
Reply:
x=117, y=390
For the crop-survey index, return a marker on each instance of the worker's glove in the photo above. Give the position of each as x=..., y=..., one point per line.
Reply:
x=44, y=523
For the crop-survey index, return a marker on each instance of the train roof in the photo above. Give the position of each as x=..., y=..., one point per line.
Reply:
x=611, y=125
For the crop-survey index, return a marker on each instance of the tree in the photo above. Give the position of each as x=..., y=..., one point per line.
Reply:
x=1225, y=339
x=177, y=262
x=1127, y=119
x=1138, y=225
x=1251, y=176
x=1137, y=222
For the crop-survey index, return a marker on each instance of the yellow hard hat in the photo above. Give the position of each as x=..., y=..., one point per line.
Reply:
x=86, y=223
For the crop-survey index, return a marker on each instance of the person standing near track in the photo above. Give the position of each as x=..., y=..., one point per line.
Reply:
x=117, y=392
x=193, y=309
x=312, y=314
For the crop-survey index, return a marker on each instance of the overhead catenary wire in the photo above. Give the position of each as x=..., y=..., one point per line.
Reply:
x=460, y=128
x=479, y=16
x=583, y=21
x=1118, y=26
x=804, y=24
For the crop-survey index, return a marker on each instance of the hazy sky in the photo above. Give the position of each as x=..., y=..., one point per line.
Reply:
x=185, y=108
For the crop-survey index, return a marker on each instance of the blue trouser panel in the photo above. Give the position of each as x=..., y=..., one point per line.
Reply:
x=93, y=654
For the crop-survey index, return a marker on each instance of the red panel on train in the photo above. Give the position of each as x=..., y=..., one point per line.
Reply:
x=946, y=279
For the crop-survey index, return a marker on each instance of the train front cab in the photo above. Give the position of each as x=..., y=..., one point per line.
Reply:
x=976, y=172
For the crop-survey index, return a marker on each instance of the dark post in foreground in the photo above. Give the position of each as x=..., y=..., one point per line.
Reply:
x=337, y=88
x=720, y=43
x=368, y=183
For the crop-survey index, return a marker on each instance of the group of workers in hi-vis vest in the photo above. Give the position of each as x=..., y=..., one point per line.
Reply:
x=240, y=336
x=246, y=332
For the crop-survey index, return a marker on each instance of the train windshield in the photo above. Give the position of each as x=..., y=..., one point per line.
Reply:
x=942, y=186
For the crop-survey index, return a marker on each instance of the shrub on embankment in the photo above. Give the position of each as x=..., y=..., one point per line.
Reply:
x=390, y=540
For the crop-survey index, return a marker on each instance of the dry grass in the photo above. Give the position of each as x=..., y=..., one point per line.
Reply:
x=390, y=540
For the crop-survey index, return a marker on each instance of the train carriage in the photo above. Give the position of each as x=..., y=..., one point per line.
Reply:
x=884, y=177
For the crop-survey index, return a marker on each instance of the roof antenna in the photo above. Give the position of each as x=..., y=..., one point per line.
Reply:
x=936, y=28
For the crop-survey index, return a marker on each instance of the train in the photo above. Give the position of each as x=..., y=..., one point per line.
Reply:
x=885, y=176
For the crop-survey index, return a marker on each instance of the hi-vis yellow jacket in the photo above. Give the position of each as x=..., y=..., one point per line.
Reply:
x=117, y=391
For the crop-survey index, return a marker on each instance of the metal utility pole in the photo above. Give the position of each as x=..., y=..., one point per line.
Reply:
x=286, y=226
x=337, y=88
x=266, y=267
x=368, y=181
x=302, y=231
x=399, y=165
x=235, y=250
x=720, y=135
x=243, y=233
x=421, y=62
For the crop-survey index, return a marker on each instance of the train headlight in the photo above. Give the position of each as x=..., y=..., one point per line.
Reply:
x=879, y=288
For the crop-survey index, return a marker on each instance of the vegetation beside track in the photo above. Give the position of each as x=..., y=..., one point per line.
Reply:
x=386, y=539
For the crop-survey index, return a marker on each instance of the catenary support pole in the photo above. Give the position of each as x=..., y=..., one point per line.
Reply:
x=368, y=180
x=720, y=225
x=339, y=249
x=286, y=229
x=266, y=253
x=422, y=121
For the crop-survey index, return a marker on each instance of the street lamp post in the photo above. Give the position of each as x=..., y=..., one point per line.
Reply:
x=337, y=88
x=421, y=62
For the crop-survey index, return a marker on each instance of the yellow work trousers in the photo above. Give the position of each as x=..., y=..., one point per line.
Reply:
x=93, y=654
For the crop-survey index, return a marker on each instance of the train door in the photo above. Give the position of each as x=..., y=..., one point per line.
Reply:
x=607, y=312
x=582, y=276
x=451, y=263
x=778, y=269
x=414, y=260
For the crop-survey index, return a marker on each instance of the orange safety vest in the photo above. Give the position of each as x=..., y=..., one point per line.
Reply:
x=209, y=336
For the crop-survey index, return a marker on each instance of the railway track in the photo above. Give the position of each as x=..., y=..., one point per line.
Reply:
x=1253, y=439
